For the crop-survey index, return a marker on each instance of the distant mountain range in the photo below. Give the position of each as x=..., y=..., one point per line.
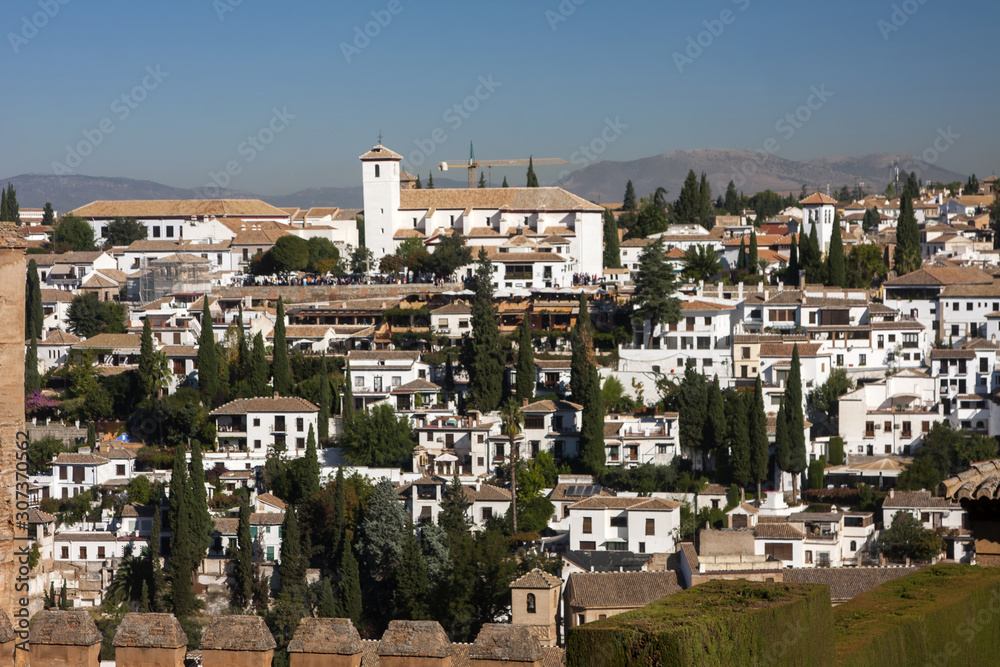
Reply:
x=603, y=181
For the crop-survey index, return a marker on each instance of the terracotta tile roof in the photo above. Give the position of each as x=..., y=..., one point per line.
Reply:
x=913, y=499
x=237, y=633
x=111, y=341
x=776, y=530
x=415, y=639
x=327, y=636
x=272, y=499
x=64, y=628
x=133, y=510
x=704, y=305
x=818, y=198
x=617, y=590
x=487, y=493
x=635, y=243
x=150, y=631
x=408, y=234
x=242, y=406
x=626, y=503
x=97, y=281
x=573, y=492
x=511, y=199
x=382, y=355
x=260, y=237
x=504, y=642
x=517, y=257
x=380, y=152
x=958, y=291
x=455, y=308
x=416, y=385
x=786, y=349
x=86, y=257
x=553, y=364
x=942, y=275
x=69, y=458
x=550, y=406
x=152, y=245
x=952, y=354
x=537, y=578
x=56, y=296
x=846, y=582
x=483, y=231
x=36, y=515
x=59, y=337
x=176, y=208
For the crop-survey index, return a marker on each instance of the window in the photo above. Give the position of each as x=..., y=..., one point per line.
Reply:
x=745, y=353
x=396, y=380
x=580, y=619
x=256, y=444
x=120, y=470
x=588, y=526
x=378, y=171
x=487, y=513
x=650, y=526
x=83, y=553
x=968, y=306
x=300, y=424
x=869, y=429
x=983, y=365
x=854, y=545
x=661, y=449
x=925, y=427
x=689, y=323
x=300, y=443
x=530, y=605
x=156, y=232
x=809, y=557
x=62, y=472
x=270, y=554
x=256, y=421
x=588, y=546
x=170, y=231
x=704, y=343
x=863, y=360
x=840, y=360
x=253, y=532
x=100, y=552
x=78, y=474
x=534, y=422
x=619, y=522
x=64, y=553
x=907, y=432
x=279, y=423
x=778, y=550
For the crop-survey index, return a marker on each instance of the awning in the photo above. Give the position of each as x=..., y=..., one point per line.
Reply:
x=446, y=458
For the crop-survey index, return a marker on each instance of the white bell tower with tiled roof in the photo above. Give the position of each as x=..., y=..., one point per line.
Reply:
x=380, y=169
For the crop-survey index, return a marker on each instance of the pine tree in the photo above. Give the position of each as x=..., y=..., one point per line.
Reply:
x=482, y=180
x=32, y=382
x=532, y=179
x=907, y=254
x=243, y=570
x=483, y=362
x=798, y=459
x=732, y=201
x=13, y=209
x=202, y=525
x=291, y=565
x=48, y=215
x=208, y=360
x=592, y=429
x=430, y=180
x=34, y=315
x=752, y=257
x=326, y=601
x=181, y=538
x=688, y=208
x=653, y=298
x=525, y=363
x=836, y=267
x=280, y=369
x=504, y=183
x=409, y=599
x=310, y=468
x=612, y=248
x=325, y=399
x=258, y=367
x=714, y=433
x=583, y=356
x=758, y=438
x=629, y=202
x=148, y=381
x=349, y=587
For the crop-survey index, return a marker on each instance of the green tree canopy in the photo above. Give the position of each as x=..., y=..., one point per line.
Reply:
x=450, y=255
x=290, y=253
x=124, y=232
x=653, y=298
x=377, y=438
x=74, y=233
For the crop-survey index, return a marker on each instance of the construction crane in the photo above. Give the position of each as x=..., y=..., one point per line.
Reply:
x=473, y=165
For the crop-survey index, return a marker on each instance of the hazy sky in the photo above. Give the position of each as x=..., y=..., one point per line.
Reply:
x=173, y=90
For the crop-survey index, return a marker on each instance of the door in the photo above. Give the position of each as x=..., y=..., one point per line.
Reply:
x=377, y=381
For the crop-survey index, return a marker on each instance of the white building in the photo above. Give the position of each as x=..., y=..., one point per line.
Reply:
x=552, y=426
x=260, y=424
x=639, y=525
x=819, y=210
x=890, y=416
x=636, y=441
x=376, y=373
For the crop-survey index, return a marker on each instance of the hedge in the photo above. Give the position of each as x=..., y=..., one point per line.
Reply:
x=716, y=623
x=940, y=615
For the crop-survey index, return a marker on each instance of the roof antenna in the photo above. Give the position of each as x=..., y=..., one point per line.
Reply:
x=380, y=137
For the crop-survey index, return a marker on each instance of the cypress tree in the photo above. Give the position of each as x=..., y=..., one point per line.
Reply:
x=144, y=598
x=155, y=566
x=449, y=374
x=34, y=315
x=3, y=206
x=208, y=360
x=739, y=457
x=714, y=434
x=583, y=357
x=280, y=369
x=326, y=601
x=758, y=438
x=485, y=365
x=525, y=363
x=782, y=444
x=339, y=515
x=323, y=419
x=48, y=215
x=181, y=537
x=505, y=183
x=798, y=459
x=532, y=179
x=693, y=399
x=243, y=571
x=752, y=257
x=14, y=210
x=482, y=180
x=836, y=267
x=349, y=587
x=310, y=468
x=64, y=598
x=91, y=436
x=792, y=272
x=409, y=600
x=688, y=208
x=741, y=258
x=242, y=371
x=258, y=367
x=612, y=248
x=291, y=566
x=629, y=203
x=814, y=270
x=592, y=431
x=202, y=525
x=419, y=184
x=430, y=180
x=705, y=195
x=804, y=249
x=147, y=362
x=50, y=600
x=32, y=382
x=347, y=402
x=906, y=257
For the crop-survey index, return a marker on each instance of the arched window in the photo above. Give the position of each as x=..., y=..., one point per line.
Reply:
x=531, y=603
x=378, y=171
x=854, y=545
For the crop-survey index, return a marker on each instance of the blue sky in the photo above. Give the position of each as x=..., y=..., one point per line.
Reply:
x=227, y=70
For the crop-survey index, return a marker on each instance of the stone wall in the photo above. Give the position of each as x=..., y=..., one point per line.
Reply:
x=303, y=293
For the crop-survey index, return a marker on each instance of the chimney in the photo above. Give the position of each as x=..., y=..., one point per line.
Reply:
x=524, y=402
x=237, y=641
x=740, y=291
x=276, y=395
x=892, y=493
x=155, y=640
x=412, y=643
x=7, y=640
x=508, y=645
x=60, y=638
x=332, y=642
